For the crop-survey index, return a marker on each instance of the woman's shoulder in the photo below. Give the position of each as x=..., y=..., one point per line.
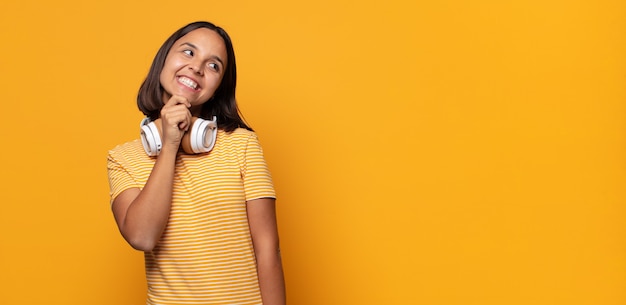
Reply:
x=238, y=139
x=239, y=134
x=130, y=148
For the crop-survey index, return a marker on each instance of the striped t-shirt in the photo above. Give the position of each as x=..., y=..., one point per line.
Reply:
x=205, y=255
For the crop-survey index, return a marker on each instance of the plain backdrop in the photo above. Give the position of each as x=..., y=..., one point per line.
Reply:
x=424, y=152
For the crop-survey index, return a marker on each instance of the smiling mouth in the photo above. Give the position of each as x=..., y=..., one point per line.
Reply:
x=188, y=82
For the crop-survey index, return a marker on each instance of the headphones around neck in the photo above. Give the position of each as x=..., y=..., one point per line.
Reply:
x=199, y=139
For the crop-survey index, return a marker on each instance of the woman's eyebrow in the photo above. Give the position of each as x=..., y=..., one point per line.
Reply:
x=189, y=44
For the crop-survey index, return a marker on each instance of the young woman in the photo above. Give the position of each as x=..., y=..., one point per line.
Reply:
x=205, y=221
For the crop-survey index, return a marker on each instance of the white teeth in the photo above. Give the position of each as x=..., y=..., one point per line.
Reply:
x=188, y=82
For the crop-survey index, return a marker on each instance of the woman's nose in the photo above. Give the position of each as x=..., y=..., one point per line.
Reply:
x=196, y=67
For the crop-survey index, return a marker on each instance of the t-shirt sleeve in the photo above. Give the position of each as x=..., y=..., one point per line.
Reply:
x=119, y=178
x=257, y=179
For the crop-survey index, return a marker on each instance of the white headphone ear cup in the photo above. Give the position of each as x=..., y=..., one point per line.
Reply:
x=151, y=139
x=203, y=135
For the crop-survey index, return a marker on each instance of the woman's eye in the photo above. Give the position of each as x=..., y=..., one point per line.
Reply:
x=188, y=52
x=213, y=66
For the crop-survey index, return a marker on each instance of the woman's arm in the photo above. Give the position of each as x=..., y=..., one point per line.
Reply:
x=264, y=230
x=142, y=215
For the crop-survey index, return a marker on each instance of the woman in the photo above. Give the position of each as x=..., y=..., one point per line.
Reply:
x=205, y=221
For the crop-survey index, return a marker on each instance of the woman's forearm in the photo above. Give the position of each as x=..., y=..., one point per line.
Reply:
x=271, y=279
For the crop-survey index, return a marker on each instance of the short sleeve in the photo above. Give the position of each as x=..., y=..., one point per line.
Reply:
x=119, y=177
x=257, y=180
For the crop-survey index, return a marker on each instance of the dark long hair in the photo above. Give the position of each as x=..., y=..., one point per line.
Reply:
x=223, y=103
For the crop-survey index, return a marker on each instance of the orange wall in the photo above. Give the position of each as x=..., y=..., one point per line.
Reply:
x=424, y=152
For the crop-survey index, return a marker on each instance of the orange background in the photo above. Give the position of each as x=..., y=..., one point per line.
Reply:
x=424, y=152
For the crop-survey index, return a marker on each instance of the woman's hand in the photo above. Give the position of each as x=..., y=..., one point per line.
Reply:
x=175, y=120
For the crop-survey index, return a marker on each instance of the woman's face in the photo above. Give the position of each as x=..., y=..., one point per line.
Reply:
x=194, y=67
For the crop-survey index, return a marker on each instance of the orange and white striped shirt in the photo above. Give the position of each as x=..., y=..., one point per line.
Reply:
x=205, y=255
